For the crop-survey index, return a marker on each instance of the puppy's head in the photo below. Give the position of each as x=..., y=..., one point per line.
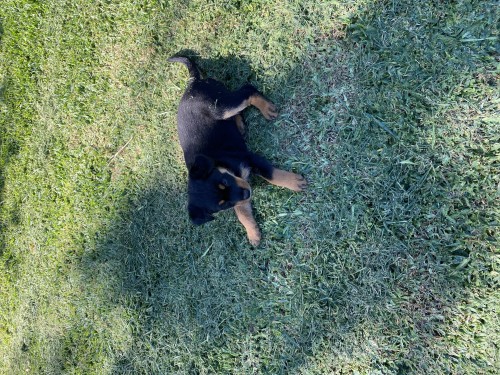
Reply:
x=212, y=189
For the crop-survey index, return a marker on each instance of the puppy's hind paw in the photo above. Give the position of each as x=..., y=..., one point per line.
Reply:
x=270, y=112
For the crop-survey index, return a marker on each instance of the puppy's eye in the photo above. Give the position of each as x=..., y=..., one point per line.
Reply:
x=222, y=202
x=222, y=187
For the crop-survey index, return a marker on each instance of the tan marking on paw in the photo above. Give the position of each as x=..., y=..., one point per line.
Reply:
x=288, y=180
x=245, y=216
x=267, y=108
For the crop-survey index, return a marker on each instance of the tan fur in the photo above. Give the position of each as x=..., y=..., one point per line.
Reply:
x=242, y=183
x=267, y=108
x=288, y=180
x=245, y=216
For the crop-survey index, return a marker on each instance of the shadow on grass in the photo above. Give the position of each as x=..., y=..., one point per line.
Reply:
x=361, y=272
x=233, y=70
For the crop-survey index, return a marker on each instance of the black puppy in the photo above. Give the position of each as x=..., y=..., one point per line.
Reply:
x=219, y=163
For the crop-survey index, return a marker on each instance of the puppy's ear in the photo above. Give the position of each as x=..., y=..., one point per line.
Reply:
x=198, y=215
x=201, y=168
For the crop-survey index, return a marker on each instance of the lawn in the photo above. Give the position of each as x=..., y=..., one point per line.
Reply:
x=387, y=264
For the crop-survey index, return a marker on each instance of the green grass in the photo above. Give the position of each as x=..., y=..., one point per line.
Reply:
x=388, y=264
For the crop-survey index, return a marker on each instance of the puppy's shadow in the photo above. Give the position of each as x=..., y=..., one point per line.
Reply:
x=233, y=71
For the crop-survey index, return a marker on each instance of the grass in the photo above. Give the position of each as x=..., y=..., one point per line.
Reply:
x=388, y=264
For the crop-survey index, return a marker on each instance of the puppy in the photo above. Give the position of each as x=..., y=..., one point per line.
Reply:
x=211, y=132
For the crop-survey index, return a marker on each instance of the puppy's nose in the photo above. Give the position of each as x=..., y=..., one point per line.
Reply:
x=246, y=194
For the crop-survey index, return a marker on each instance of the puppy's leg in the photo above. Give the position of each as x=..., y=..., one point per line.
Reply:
x=245, y=216
x=288, y=180
x=233, y=103
x=240, y=124
x=277, y=176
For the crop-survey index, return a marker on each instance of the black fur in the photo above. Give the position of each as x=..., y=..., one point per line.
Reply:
x=209, y=141
x=219, y=162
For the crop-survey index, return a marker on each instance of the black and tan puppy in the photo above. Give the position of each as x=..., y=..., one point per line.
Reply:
x=219, y=163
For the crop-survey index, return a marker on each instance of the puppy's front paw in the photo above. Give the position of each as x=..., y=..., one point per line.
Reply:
x=298, y=183
x=288, y=180
x=254, y=237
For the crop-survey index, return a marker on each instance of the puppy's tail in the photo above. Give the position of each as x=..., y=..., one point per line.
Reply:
x=193, y=70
